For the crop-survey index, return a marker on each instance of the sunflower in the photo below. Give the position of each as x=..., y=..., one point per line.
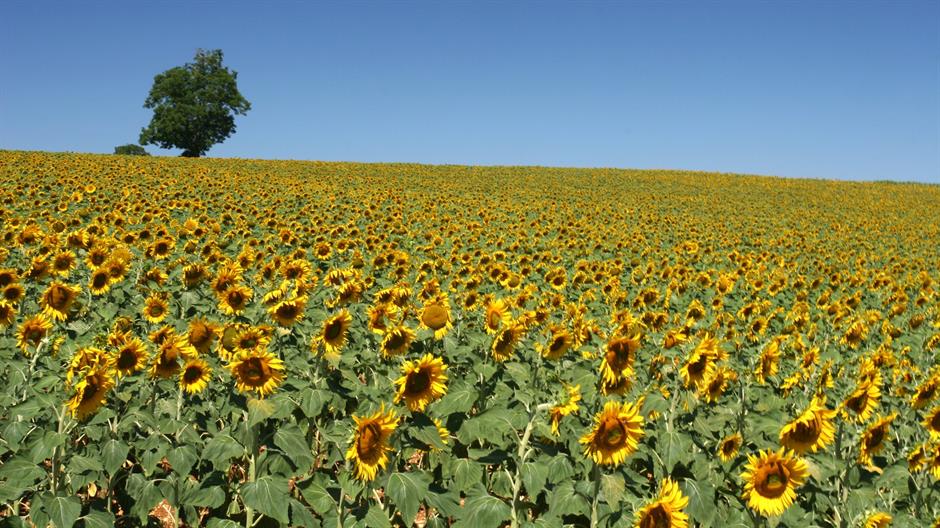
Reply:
x=194, y=377
x=155, y=308
x=769, y=361
x=368, y=447
x=333, y=335
x=674, y=338
x=90, y=392
x=166, y=363
x=505, y=341
x=13, y=293
x=878, y=520
x=932, y=422
x=32, y=331
x=57, y=300
x=497, y=314
x=380, y=315
x=230, y=275
x=63, y=263
x=863, y=400
x=84, y=359
x=616, y=433
x=100, y=282
x=714, y=385
x=771, y=479
x=235, y=299
x=666, y=510
x=422, y=382
x=130, y=357
x=257, y=370
x=697, y=368
x=729, y=446
x=7, y=314
x=288, y=311
x=619, y=357
x=873, y=439
x=926, y=392
x=435, y=316
x=397, y=341
x=560, y=342
x=570, y=406
x=201, y=335
x=810, y=431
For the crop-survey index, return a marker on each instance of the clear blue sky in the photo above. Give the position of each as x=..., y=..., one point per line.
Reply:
x=817, y=89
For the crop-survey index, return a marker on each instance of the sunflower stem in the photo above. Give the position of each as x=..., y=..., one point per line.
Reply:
x=522, y=453
x=252, y=449
x=54, y=478
x=596, y=477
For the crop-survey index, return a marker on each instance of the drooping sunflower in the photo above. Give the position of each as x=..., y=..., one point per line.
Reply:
x=90, y=392
x=504, y=343
x=422, y=382
x=288, y=311
x=57, y=300
x=369, y=445
x=155, y=308
x=810, y=431
x=257, y=370
x=729, y=446
x=436, y=316
x=570, y=406
x=194, y=377
x=235, y=299
x=130, y=357
x=616, y=433
x=7, y=314
x=666, y=510
x=559, y=342
x=497, y=314
x=715, y=384
x=32, y=331
x=874, y=439
x=201, y=335
x=100, y=282
x=381, y=317
x=863, y=400
x=619, y=357
x=925, y=392
x=771, y=479
x=86, y=358
x=333, y=335
x=396, y=341
x=932, y=422
x=166, y=363
x=697, y=368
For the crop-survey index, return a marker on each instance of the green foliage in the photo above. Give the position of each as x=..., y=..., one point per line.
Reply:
x=131, y=150
x=194, y=105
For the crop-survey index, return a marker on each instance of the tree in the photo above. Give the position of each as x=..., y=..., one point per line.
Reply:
x=131, y=150
x=194, y=105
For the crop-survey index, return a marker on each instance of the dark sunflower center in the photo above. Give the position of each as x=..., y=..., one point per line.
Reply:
x=417, y=383
x=156, y=310
x=613, y=433
x=773, y=480
x=935, y=422
x=396, y=340
x=619, y=354
x=91, y=388
x=287, y=311
x=557, y=344
x=657, y=517
x=254, y=372
x=127, y=359
x=192, y=374
x=876, y=437
x=493, y=319
x=99, y=280
x=333, y=330
x=370, y=439
x=59, y=297
x=806, y=431
x=235, y=298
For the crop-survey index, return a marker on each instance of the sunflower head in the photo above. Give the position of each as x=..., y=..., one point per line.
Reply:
x=201, y=335
x=369, y=446
x=771, y=479
x=729, y=446
x=615, y=435
x=666, y=510
x=874, y=439
x=257, y=370
x=130, y=356
x=810, y=431
x=333, y=335
x=32, y=331
x=90, y=392
x=435, y=316
x=422, y=382
x=288, y=311
x=932, y=422
x=195, y=375
x=57, y=300
x=155, y=308
x=396, y=341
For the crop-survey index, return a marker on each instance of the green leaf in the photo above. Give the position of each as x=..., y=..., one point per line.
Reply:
x=182, y=459
x=701, y=496
x=459, y=399
x=376, y=518
x=259, y=410
x=20, y=473
x=301, y=516
x=291, y=440
x=406, y=490
x=563, y=500
x=113, y=455
x=269, y=496
x=483, y=509
x=99, y=519
x=63, y=511
x=221, y=450
x=318, y=497
x=612, y=488
x=534, y=475
x=312, y=401
x=467, y=473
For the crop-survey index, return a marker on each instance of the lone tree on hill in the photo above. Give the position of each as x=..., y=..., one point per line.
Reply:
x=194, y=106
x=131, y=150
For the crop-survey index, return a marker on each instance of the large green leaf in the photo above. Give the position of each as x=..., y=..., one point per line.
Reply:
x=113, y=455
x=483, y=510
x=407, y=490
x=63, y=511
x=269, y=496
x=291, y=440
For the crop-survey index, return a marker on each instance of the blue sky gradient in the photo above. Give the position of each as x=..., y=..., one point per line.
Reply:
x=847, y=90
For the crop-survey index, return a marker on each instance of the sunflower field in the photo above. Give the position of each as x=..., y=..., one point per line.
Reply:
x=239, y=343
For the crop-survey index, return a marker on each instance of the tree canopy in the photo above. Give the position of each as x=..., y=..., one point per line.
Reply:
x=194, y=105
x=131, y=150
